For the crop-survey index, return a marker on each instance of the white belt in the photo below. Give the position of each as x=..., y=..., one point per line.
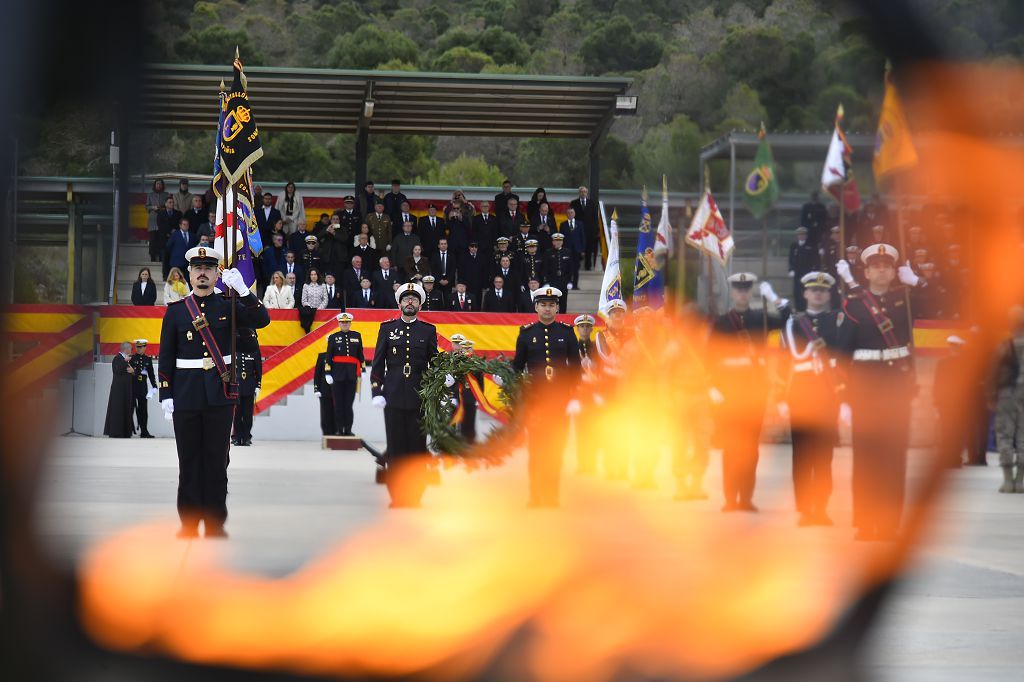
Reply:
x=871, y=355
x=809, y=365
x=737, y=362
x=199, y=363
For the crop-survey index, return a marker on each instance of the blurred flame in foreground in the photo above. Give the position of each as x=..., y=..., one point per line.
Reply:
x=612, y=582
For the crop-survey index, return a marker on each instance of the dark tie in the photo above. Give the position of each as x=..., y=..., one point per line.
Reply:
x=330, y=293
x=498, y=292
x=366, y=295
x=385, y=275
x=444, y=263
x=432, y=223
x=357, y=275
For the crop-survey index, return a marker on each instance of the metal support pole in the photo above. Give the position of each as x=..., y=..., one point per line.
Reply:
x=362, y=139
x=69, y=290
x=595, y=169
x=116, y=236
x=732, y=185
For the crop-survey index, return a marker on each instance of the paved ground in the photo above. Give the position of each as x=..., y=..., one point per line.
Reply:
x=959, y=617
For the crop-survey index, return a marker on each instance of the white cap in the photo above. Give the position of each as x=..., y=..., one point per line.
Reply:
x=344, y=317
x=546, y=291
x=204, y=252
x=406, y=289
x=583, y=319
x=880, y=250
x=818, y=279
x=457, y=338
x=467, y=343
x=955, y=340
x=743, y=278
x=616, y=304
x=141, y=342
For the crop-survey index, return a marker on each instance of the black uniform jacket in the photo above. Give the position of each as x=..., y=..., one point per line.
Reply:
x=403, y=351
x=345, y=345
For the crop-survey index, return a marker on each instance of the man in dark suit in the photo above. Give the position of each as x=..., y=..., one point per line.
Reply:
x=367, y=199
x=350, y=219
x=502, y=197
x=586, y=212
x=369, y=254
x=393, y=202
x=510, y=218
x=291, y=264
x=267, y=216
x=195, y=214
x=461, y=301
x=208, y=227
x=166, y=222
x=351, y=278
x=180, y=241
x=403, y=243
x=575, y=241
x=498, y=299
x=443, y=266
x=484, y=229
x=335, y=295
x=509, y=273
x=474, y=269
x=404, y=214
x=430, y=229
x=273, y=257
x=385, y=283
x=364, y=297
x=524, y=301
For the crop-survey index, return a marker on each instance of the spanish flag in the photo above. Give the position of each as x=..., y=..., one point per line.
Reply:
x=894, y=150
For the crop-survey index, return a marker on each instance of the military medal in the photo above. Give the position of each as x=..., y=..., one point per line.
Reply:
x=188, y=335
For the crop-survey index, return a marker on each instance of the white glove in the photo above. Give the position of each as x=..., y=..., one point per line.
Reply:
x=587, y=364
x=449, y=381
x=316, y=394
x=455, y=401
x=783, y=409
x=498, y=381
x=256, y=393
x=573, y=407
x=569, y=286
x=843, y=270
x=791, y=273
x=845, y=414
x=329, y=379
x=233, y=278
x=379, y=401
x=716, y=396
x=150, y=393
x=907, y=276
x=168, y=406
x=768, y=293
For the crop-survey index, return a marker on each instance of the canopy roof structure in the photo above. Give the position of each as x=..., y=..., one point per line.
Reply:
x=403, y=103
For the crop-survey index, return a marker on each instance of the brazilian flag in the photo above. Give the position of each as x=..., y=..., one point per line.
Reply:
x=761, y=190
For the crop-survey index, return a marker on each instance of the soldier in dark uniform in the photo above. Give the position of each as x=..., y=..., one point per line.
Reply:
x=405, y=347
x=433, y=298
x=142, y=390
x=531, y=265
x=194, y=392
x=548, y=350
x=119, y=404
x=584, y=325
x=558, y=269
x=520, y=239
x=610, y=345
x=502, y=248
x=803, y=258
x=830, y=253
x=740, y=386
x=250, y=376
x=322, y=391
x=876, y=334
x=813, y=397
x=310, y=258
x=351, y=221
x=345, y=353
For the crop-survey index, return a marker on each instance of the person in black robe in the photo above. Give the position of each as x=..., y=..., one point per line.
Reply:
x=119, y=404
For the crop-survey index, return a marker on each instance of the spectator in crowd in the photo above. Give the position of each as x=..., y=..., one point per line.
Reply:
x=393, y=201
x=474, y=269
x=195, y=214
x=292, y=209
x=525, y=234
x=277, y=228
x=311, y=256
x=205, y=241
x=352, y=277
x=314, y=298
x=175, y=286
x=386, y=281
x=929, y=301
x=363, y=296
x=814, y=216
x=292, y=266
x=293, y=283
x=497, y=299
x=333, y=246
x=368, y=198
x=485, y=229
x=434, y=299
x=349, y=218
x=574, y=241
x=508, y=272
x=365, y=250
x=545, y=225
x=524, y=300
x=430, y=229
x=335, y=293
x=915, y=235
x=878, y=235
x=209, y=227
x=155, y=203
x=459, y=203
x=586, y=213
x=364, y=231
x=853, y=258
x=403, y=244
x=539, y=196
x=120, y=402
x=144, y=290
x=167, y=222
x=803, y=258
x=918, y=257
x=279, y=296
x=273, y=256
x=502, y=197
x=530, y=265
x=876, y=212
x=443, y=266
x=404, y=214
x=511, y=218
x=180, y=241
x=462, y=301
x=266, y=216
x=182, y=198
x=557, y=269
x=501, y=248
x=296, y=241
x=416, y=266
x=457, y=232
x=379, y=223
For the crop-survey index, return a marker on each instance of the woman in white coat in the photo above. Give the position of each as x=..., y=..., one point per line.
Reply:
x=292, y=211
x=279, y=295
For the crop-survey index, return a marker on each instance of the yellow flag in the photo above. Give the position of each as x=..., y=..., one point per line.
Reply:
x=894, y=150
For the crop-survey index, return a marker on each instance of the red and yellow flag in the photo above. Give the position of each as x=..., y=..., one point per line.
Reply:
x=894, y=150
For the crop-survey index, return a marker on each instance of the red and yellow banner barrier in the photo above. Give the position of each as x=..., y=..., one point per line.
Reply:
x=46, y=343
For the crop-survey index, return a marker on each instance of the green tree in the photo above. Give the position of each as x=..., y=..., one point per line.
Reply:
x=368, y=47
x=503, y=46
x=464, y=171
x=216, y=45
x=319, y=28
x=553, y=162
x=743, y=106
x=671, y=149
x=294, y=157
x=462, y=60
x=616, y=46
x=616, y=164
x=400, y=156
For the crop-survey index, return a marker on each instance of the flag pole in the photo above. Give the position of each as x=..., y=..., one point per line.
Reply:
x=764, y=270
x=903, y=252
x=712, y=307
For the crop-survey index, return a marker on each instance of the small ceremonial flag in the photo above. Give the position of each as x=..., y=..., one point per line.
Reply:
x=894, y=150
x=611, y=285
x=761, y=190
x=239, y=138
x=653, y=247
x=708, y=231
x=837, y=175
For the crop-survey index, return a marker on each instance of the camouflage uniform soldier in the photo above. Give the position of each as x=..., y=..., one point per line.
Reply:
x=1010, y=410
